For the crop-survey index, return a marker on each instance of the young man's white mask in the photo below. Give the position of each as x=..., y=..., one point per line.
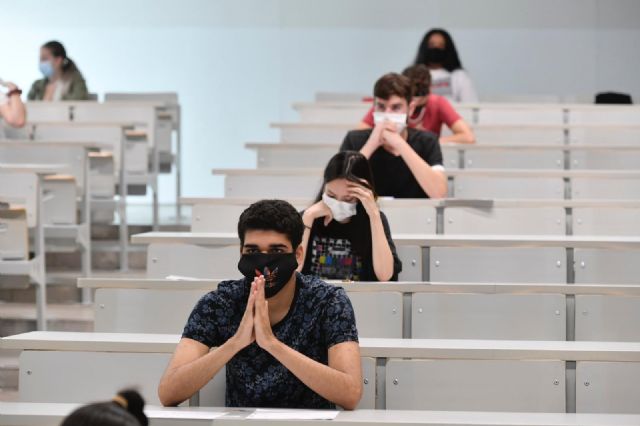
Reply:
x=340, y=210
x=400, y=120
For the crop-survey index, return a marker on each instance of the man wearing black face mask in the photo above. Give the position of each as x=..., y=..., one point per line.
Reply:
x=287, y=340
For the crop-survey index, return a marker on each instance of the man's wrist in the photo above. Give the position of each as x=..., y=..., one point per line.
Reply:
x=233, y=345
x=273, y=345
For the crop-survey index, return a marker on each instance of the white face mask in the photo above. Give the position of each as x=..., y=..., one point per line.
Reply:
x=341, y=210
x=400, y=120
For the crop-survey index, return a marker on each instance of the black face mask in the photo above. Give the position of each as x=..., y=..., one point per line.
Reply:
x=277, y=269
x=435, y=55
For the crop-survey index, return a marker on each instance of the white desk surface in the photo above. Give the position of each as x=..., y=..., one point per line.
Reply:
x=424, y=240
x=369, y=347
x=519, y=126
x=48, y=143
x=601, y=242
x=498, y=173
x=483, y=203
x=479, y=105
x=208, y=238
x=482, y=146
x=115, y=123
x=33, y=413
x=106, y=104
x=43, y=169
x=401, y=287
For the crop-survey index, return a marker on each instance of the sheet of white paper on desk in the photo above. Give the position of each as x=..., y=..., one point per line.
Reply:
x=180, y=278
x=269, y=414
x=184, y=414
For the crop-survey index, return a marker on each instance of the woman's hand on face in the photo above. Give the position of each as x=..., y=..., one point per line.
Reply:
x=319, y=209
x=365, y=196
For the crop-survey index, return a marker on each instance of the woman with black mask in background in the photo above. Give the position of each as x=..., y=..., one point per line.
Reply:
x=438, y=52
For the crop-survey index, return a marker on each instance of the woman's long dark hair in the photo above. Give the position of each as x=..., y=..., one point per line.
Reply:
x=111, y=413
x=354, y=167
x=451, y=61
x=58, y=51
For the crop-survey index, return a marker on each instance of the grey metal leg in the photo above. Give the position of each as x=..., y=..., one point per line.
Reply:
x=122, y=207
x=179, y=168
x=39, y=248
x=86, y=222
x=426, y=264
x=154, y=184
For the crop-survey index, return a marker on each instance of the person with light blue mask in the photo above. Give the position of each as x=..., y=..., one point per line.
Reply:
x=62, y=79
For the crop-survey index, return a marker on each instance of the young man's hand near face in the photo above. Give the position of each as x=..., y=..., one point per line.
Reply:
x=375, y=140
x=262, y=326
x=393, y=142
x=246, y=334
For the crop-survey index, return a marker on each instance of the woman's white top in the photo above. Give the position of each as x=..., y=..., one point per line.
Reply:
x=456, y=86
x=60, y=89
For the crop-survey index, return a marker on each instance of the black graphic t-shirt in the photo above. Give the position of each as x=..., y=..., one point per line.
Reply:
x=320, y=316
x=333, y=252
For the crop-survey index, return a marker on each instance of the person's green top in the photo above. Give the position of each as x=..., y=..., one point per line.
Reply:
x=77, y=90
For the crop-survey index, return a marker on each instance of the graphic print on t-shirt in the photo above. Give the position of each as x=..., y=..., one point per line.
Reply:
x=333, y=258
x=442, y=86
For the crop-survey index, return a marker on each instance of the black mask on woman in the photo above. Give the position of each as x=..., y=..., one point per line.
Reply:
x=435, y=55
x=277, y=269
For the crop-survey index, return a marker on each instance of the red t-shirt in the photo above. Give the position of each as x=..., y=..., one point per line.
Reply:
x=432, y=116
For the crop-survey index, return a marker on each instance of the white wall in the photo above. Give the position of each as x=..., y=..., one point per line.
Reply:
x=239, y=64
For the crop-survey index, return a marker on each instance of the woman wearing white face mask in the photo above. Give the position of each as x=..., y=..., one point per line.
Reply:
x=62, y=79
x=346, y=236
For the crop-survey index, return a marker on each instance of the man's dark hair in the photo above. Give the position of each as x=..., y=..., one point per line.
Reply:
x=420, y=78
x=272, y=215
x=393, y=84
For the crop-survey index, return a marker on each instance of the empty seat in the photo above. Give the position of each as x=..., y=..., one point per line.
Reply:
x=607, y=387
x=508, y=187
x=378, y=314
x=605, y=188
x=518, y=265
x=594, y=266
x=192, y=261
x=475, y=385
x=143, y=311
x=505, y=220
x=514, y=159
x=531, y=135
x=14, y=234
x=607, y=318
x=622, y=221
x=488, y=316
x=513, y=114
x=41, y=376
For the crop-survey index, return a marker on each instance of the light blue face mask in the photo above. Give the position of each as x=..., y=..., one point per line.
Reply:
x=46, y=69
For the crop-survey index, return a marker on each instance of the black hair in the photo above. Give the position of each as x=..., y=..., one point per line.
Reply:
x=451, y=61
x=354, y=167
x=58, y=51
x=350, y=165
x=126, y=409
x=272, y=215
